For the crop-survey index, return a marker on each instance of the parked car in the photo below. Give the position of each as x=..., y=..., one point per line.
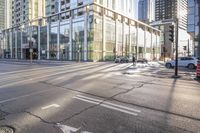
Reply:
x=121, y=59
x=142, y=61
x=189, y=62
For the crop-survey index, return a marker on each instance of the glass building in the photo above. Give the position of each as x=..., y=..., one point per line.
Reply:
x=146, y=10
x=193, y=24
x=87, y=31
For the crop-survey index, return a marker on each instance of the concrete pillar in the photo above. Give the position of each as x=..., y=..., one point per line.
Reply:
x=151, y=44
x=58, y=40
x=123, y=38
x=145, y=42
x=85, y=37
x=130, y=48
x=11, y=50
x=39, y=43
x=70, y=38
x=21, y=44
x=104, y=37
x=137, y=40
x=15, y=44
x=116, y=37
x=48, y=33
x=6, y=42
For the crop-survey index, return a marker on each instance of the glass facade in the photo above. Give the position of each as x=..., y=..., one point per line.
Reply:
x=92, y=33
x=193, y=24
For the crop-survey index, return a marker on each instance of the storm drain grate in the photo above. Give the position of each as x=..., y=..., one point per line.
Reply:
x=5, y=129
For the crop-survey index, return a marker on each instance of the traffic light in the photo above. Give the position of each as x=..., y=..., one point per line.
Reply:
x=171, y=33
x=185, y=48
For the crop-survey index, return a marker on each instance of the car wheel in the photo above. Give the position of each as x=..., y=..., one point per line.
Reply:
x=168, y=65
x=191, y=66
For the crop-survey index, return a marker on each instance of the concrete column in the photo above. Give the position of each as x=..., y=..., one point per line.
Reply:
x=58, y=40
x=6, y=42
x=21, y=45
x=39, y=43
x=85, y=37
x=130, y=46
x=104, y=38
x=151, y=45
x=116, y=37
x=70, y=38
x=123, y=38
x=48, y=32
x=145, y=42
x=11, y=50
x=137, y=40
x=15, y=44
x=3, y=43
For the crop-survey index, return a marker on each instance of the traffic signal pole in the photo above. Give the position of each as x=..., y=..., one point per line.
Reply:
x=176, y=53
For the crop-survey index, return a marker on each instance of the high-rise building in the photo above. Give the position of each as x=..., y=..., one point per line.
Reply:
x=2, y=14
x=8, y=13
x=126, y=7
x=25, y=10
x=171, y=9
x=146, y=10
x=193, y=24
x=166, y=14
x=87, y=30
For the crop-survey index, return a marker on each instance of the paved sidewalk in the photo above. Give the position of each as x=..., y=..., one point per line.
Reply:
x=27, y=62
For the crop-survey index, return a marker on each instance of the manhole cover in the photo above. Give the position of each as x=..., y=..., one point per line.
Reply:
x=6, y=129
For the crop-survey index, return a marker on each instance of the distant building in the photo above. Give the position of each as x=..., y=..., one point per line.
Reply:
x=2, y=14
x=170, y=9
x=25, y=10
x=8, y=13
x=146, y=10
x=193, y=24
x=166, y=12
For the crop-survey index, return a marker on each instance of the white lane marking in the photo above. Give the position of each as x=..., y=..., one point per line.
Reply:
x=68, y=129
x=109, y=103
x=51, y=106
x=23, y=96
x=111, y=106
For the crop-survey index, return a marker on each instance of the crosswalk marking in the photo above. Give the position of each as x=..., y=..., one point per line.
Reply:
x=109, y=105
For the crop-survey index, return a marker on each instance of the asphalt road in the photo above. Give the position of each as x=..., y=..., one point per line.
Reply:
x=98, y=98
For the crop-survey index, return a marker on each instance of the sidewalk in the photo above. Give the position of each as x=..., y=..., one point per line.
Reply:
x=158, y=70
x=27, y=62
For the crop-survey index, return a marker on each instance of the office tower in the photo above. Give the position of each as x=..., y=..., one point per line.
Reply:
x=8, y=13
x=146, y=10
x=193, y=24
x=171, y=9
x=126, y=7
x=26, y=10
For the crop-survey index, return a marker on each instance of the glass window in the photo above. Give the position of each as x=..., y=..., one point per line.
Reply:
x=110, y=39
x=53, y=42
x=78, y=40
x=64, y=41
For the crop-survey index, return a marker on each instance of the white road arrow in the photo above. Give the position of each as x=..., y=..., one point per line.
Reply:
x=50, y=106
x=68, y=129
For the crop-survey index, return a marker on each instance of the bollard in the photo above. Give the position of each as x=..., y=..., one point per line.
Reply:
x=198, y=69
